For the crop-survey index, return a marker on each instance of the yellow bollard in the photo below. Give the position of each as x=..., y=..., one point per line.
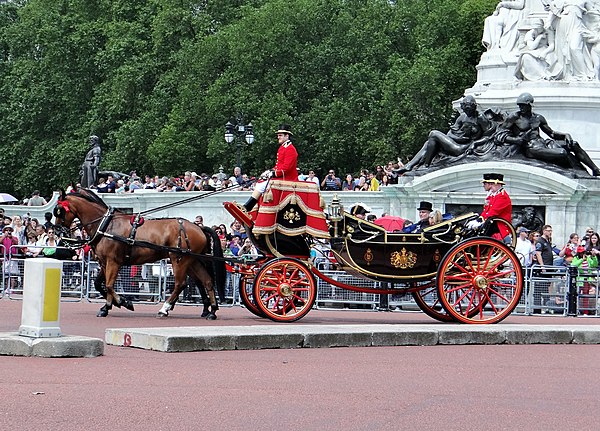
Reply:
x=41, y=298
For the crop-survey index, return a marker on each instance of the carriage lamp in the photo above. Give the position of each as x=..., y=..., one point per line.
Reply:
x=335, y=209
x=335, y=213
x=234, y=134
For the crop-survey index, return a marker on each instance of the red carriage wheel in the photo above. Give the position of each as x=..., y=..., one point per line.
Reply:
x=480, y=281
x=428, y=301
x=284, y=290
x=246, y=286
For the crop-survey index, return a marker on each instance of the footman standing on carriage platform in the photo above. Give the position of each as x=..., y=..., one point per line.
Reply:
x=285, y=166
x=497, y=204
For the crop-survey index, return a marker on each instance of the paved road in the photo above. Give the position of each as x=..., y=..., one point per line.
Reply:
x=534, y=387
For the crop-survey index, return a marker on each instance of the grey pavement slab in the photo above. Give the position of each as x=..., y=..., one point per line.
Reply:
x=188, y=339
x=65, y=346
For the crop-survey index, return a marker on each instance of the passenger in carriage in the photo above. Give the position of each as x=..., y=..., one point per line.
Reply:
x=285, y=167
x=360, y=210
x=435, y=217
x=425, y=208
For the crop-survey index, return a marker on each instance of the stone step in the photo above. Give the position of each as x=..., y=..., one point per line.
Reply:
x=188, y=339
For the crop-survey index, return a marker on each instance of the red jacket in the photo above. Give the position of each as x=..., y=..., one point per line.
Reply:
x=287, y=160
x=498, y=205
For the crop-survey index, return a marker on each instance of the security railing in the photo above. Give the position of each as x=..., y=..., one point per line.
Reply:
x=555, y=290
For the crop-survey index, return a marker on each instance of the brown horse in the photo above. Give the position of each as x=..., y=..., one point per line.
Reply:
x=117, y=241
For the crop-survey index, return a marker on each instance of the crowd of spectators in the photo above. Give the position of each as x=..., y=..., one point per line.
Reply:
x=537, y=248
x=365, y=180
x=26, y=236
x=189, y=181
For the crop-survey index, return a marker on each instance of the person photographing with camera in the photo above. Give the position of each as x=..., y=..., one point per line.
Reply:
x=247, y=248
x=331, y=182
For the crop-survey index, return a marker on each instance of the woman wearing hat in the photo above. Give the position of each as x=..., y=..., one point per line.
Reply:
x=285, y=167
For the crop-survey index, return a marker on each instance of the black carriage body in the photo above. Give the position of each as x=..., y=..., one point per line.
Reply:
x=365, y=249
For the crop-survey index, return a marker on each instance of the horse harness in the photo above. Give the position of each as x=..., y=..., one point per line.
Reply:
x=137, y=221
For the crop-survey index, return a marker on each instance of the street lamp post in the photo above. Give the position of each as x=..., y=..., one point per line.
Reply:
x=234, y=134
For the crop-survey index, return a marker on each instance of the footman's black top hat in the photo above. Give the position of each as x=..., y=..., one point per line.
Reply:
x=359, y=208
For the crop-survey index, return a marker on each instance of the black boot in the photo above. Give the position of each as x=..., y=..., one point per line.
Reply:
x=250, y=204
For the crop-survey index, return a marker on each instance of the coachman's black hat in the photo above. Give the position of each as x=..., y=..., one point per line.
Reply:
x=284, y=128
x=359, y=208
x=425, y=206
x=493, y=178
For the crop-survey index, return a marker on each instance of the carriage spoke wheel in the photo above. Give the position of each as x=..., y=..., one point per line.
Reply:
x=480, y=281
x=428, y=301
x=246, y=287
x=284, y=290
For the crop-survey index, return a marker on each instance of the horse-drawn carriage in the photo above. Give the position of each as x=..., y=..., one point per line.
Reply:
x=454, y=273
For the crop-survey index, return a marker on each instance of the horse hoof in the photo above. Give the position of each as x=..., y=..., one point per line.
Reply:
x=102, y=313
x=162, y=315
x=211, y=316
x=204, y=314
x=125, y=303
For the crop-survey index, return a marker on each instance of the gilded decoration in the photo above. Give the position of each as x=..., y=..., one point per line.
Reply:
x=403, y=259
x=291, y=215
x=368, y=256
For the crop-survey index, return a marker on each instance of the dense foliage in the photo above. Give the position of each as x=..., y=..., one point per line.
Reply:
x=361, y=81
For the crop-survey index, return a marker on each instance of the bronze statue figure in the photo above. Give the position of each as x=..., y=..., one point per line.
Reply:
x=89, y=169
x=522, y=128
x=467, y=129
x=494, y=135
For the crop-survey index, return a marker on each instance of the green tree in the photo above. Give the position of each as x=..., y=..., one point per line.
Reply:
x=360, y=81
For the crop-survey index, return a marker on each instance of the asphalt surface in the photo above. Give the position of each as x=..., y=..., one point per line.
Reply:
x=505, y=387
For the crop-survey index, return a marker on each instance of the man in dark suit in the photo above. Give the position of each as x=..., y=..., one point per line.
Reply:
x=425, y=208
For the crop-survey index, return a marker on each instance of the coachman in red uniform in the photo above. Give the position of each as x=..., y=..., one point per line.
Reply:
x=286, y=205
x=497, y=203
x=285, y=166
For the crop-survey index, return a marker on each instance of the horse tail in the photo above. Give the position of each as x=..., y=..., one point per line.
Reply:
x=218, y=272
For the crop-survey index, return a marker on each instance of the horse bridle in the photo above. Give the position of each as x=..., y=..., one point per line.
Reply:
x=104, y=220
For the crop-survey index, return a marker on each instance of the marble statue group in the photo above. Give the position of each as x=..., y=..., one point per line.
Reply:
x=560, y=42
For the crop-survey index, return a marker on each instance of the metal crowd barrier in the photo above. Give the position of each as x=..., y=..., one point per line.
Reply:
x=546, y=291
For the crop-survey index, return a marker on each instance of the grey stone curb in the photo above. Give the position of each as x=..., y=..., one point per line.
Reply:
x=66, y=346
x=189, y=339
